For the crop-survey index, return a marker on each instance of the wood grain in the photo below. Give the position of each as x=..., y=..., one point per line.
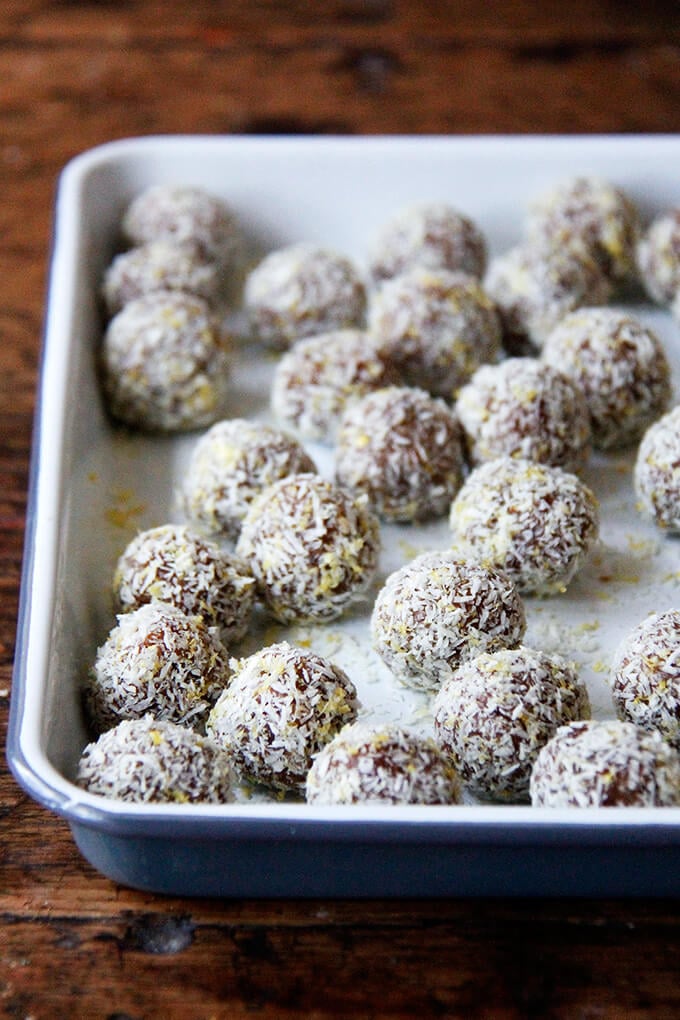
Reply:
x=75, y=74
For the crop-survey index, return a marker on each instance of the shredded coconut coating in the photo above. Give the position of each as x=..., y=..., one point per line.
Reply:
x=605, y=764
x=524, y=408
x=645, y=676
x=368, y=764
x=181, y=215
x=156, y=660
x=282, y=706
x=403, y=449
x=302, y=290
x=230, y=465
x=320, y=376
x=621, y=367
x=656, y=475
x=658, y=257
x=173, y=564
x=151, y=760
x=312, y=547
x=165, y=364
x=435, y=328
x=595, y=213
x=159, y=265
x=438, y=611
x=536, y=284
x=496, y=713
x=429, y=234
x=536, y=522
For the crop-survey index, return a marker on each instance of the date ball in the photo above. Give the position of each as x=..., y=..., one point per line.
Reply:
x=645, y=677
x=605, y=764
x=179, y=214
x=165, y=364
x=159, y=266
x=619, y=365
x=230, y=465
x=151, y=760
x=435, y=327
x=156, y=660
x=320, y=376
x=312, y=547
x=302, y=290
x=536, y=522
x=438, y=611
x=172, y=563
x=658, y=258
x=535, y=284
x=496, y=713
x=595, y=213
x=655, y=476
x=403, y=449
x=429, y=234
x=524, y=408
x=282, y=705
x=370, y=764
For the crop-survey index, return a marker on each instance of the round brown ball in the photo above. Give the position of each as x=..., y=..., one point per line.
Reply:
x=621, y=367
x=372, y=764
x=435, y=327
x=496, y=713
x=403, y=449
x=312, y=547
x=605, y=764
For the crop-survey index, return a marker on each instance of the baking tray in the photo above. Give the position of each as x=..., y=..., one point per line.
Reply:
x=92, y=487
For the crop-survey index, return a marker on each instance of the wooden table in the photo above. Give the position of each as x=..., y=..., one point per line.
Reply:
x=74, y=74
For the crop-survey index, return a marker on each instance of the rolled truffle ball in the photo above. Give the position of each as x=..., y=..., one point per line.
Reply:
x=524, y=408
x=535, y=284
x=658, y=258
x=619, y=365
x=429, y=234
x=302, y=290
x=230, y=465
x=151, y=760
x=159, y=266
x=655, y=476
x=403, y=449
x=605, y=764
x=165, y=364
x=173, y=564
x=435, y=328
x=370, y=764
x=320, y=376
x=496, y=713
x=156, y=660
x=312, y=547
x=594, y=212
x=536, y=522
x=282, y=705
x=438, y=611
x=645, y=677
x=184, y=215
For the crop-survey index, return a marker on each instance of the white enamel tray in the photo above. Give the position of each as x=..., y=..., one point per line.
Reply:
x=92, y=488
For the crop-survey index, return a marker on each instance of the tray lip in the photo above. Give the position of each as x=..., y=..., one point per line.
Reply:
x=514, y=823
